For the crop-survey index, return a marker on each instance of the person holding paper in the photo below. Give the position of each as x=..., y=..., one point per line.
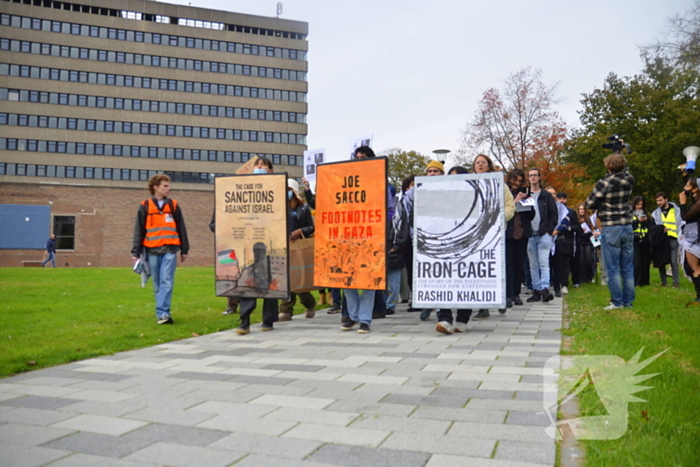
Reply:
x=540, y=243
x=642, y=249
x=584, y=259
x=518, y=230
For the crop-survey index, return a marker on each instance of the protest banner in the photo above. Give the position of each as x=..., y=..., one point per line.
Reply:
x=459, y=241
x=312, y=158
x=252, y=249
x=351, y=216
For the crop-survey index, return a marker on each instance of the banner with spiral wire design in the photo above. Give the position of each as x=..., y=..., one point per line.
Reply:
x=459, y=241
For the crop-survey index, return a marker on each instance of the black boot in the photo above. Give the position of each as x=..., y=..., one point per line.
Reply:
x=517, y=301
x=546, y=295
x=536, y=297
x=696, y=283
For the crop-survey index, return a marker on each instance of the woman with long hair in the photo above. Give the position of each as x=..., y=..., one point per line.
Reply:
x=690, y=241
x=301, y=224
x=484, y=164
x=584, y=259
x=642, y=249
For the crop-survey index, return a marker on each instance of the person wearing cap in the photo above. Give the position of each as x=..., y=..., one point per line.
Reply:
x=301, y=225
x=433, y=169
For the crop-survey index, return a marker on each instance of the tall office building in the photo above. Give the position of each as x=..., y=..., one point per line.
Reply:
x=96, y=96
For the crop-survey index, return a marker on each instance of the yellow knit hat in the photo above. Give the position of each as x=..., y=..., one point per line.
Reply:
x=437, y=164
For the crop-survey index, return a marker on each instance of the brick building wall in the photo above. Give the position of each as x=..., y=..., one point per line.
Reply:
x=104, y=222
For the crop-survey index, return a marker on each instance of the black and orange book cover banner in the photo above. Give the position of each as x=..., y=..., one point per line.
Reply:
x=252, y=250
x=351, y=219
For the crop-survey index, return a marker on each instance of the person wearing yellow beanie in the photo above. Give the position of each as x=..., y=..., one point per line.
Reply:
x=435, y=168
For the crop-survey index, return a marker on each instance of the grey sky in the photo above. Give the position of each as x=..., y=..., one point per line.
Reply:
x=412, y=72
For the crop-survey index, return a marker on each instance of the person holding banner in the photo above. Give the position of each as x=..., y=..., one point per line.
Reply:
x=433, y=169
x=270, y=311
x=301, y=224
x=484, y=164
x=361, y=307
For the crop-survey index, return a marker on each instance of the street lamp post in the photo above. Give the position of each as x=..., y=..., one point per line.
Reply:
x=441, y=155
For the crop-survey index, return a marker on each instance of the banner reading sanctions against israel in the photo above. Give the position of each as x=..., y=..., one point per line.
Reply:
x=459, y=242
x=252, y=247
x=351, y=207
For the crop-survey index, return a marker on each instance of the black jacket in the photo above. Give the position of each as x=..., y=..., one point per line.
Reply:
x=397, y=240
x=300, y=218
x=525, y=219
x=548, y=213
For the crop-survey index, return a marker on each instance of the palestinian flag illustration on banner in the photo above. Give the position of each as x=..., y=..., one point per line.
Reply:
x=228, y=257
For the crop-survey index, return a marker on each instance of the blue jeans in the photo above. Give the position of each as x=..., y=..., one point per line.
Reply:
x=335, y=293
x=360, y=306
x=538, y=247
x=52, y=258
x=163, y=274
x=394, y=281
x=617, y=243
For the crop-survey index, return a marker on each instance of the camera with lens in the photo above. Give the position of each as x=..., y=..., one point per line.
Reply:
x=617, y=145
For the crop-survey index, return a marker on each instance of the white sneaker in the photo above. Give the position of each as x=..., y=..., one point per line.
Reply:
x=564, y=290
x=444, y=327
x=460, y=327
x=611, y=307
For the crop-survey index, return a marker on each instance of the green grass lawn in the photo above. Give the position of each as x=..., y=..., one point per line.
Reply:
x=665, y=431
x=54, y=316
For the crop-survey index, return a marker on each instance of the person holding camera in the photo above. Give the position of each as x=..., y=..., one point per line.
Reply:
x=610, y=198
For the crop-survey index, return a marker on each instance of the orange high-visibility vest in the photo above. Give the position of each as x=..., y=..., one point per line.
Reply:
x=160, y=224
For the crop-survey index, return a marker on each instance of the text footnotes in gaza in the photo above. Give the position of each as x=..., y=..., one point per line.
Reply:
x=351, y=201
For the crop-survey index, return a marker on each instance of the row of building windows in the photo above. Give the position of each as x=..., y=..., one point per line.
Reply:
x=155, y=129
x=100, y=173
x=108, y=79
x=149, y=60
x=21, y=95
x=149, y=38
x=119, y=150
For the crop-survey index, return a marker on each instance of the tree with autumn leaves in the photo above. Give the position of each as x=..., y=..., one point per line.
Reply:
x=518, y=126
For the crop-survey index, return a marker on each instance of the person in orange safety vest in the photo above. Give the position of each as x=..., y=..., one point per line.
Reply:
x=160, y=233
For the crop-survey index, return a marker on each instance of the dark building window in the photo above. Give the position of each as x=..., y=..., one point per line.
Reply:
x=64, y=229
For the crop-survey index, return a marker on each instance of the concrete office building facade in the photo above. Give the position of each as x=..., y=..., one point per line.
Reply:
x=96, y=96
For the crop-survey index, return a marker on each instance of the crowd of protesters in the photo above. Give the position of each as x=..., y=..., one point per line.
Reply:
x=547, y=243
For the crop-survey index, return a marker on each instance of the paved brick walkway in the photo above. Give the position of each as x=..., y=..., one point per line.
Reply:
x=306, y=394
